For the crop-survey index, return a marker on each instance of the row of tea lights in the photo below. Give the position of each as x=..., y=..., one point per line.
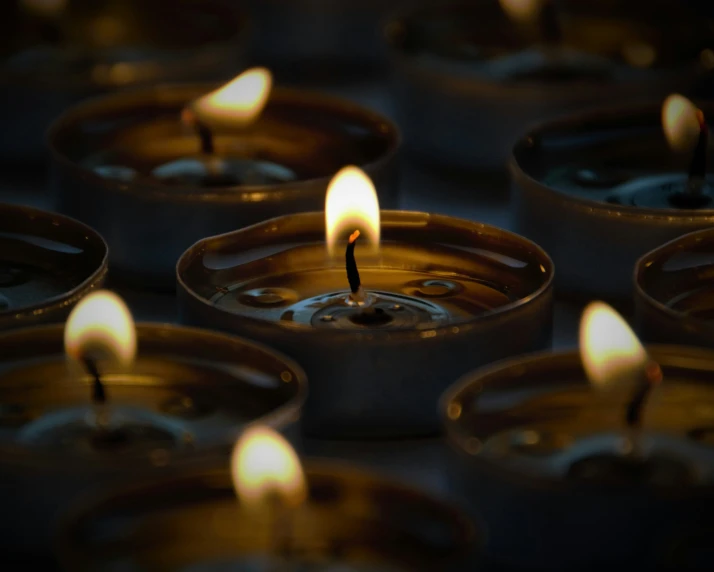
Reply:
x=581, y=447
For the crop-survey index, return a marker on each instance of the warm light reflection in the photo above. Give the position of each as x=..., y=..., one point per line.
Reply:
x=351, y=204
x=265, y=468
x=680, y=121
x=100, y=327
x=238, y=103
x=521, y=10
x=47, y=8
x=611, y=353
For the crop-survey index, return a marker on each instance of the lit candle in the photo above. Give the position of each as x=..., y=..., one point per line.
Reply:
x=175, y=164
x=104, y=399
x=57, y=52
x=583, y=457
x=289, y=515
x=470, y=77
x=414, y=301
x=599, y=190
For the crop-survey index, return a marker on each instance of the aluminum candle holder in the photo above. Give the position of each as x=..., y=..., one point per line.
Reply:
x=448, y=295
x=95, y=47
x=674, y=295
x=352, y=521
x=188, y=396
x=108, y=155
x=539, y=459
x=48, y=262
x=468, y=81
x=599, y=190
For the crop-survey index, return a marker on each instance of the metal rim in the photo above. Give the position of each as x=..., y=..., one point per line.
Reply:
x=233, y=194
x=70, y=297
x=482, y=86
x=492, y=374
x=592, y=207
x=513, y=307
x=642, y=294
x=278, y=418
x=90, y=503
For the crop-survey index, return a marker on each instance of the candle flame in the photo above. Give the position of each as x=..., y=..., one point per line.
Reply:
x=100, y=327
x=521, y=10
x=265, y=467
x=611, y=353
x=238, y=103
x=681, y=121
x=351, y=203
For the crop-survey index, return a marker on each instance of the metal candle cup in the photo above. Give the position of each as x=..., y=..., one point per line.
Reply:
x=189, y=394
x=48, y=262
x=149, y=223
x=108, y=47
x=537, y=457
x=447, y=295
x=673, y=291
x=594, y=191
x=468, y=82
x=193, y=522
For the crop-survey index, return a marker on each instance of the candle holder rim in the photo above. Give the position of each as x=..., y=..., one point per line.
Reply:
x=240, y=34
x=672, y=246
x=480, y=83
x=90, y=504
x=597, y=207
x=166, y=92
x=197, y=248
x=279, y=417
x=493, y=372
x=77, y=292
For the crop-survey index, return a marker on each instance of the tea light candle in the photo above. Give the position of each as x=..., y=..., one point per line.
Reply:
x=133, y=401
x=316, y=517
x=60, y=52
x=617, y=471
x=673, y=291
x=155, y=171
x=599, y=190
x=471, y=76
x=380, y=329
x=48, y=262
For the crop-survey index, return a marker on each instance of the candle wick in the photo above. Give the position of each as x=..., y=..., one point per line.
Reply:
x=652, y=376
x=99, y=396
x=698, y=166
x=351, y=265
x=202, y=130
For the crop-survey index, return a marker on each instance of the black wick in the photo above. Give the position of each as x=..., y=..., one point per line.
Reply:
x=652, y=376
x=99, y=395
x=549, y=23
x=204, y=133
x=351, y=264
x=698, y=166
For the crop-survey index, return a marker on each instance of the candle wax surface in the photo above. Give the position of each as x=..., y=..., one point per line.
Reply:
x=544, y=431
x=414, y=285
x=33, y=269
x=171, y=402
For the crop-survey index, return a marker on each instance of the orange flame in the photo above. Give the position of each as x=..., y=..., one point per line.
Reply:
x=611, y=353
x=238, y=103
x=351, y=202
x=101, y=327
x=265, y=467
x=681, y=121
x=521, y=10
